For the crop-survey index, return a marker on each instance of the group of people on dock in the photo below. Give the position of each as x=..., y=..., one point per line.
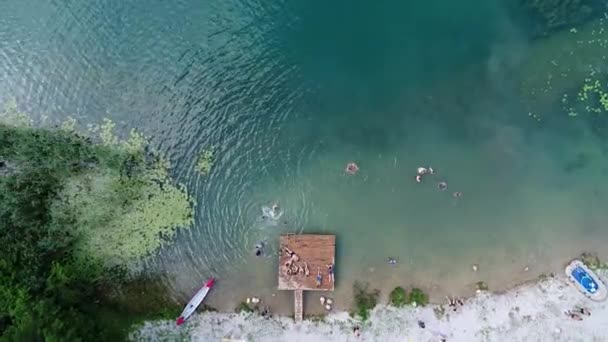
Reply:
x=292, y=268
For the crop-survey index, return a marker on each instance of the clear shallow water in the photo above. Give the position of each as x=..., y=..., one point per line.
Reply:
x=287, y=94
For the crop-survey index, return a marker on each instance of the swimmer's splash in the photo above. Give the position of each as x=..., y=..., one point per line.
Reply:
x=273, y=212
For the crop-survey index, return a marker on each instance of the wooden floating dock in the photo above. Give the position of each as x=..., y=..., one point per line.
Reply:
x=316, y=251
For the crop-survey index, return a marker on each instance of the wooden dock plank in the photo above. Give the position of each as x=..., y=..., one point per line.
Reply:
x=298, y=305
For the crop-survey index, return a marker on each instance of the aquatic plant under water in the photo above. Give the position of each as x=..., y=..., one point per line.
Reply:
x=550, y=15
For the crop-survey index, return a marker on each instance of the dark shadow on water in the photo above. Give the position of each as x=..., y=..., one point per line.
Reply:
x=580, y=161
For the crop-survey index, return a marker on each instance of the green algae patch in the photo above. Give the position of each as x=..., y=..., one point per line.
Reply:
x=205, y=162
x=592, y=96
x=115, y=196
x=568, y=66
x=11, y=116
x=122, y=220
x=128, y=209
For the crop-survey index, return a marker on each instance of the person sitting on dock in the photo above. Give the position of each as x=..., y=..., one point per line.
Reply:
x=330, y=272
x=306, y=270
x=292, y=254
x=319, y=277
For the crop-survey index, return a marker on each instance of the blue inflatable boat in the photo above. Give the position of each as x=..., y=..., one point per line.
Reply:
x=586, y=281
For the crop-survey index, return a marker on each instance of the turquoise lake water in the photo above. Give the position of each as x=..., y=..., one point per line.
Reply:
x=287, y=93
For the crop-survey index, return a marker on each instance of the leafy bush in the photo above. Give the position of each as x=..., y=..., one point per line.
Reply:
x=364, y=300
x=398, y=297
x=482, y=286
x=418, y=296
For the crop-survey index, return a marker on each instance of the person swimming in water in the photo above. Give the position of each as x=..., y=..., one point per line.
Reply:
x=418, y=178
x=259, y=249
x=272, y=212
x=442, y=186
x=351, y=168
x=457, y=194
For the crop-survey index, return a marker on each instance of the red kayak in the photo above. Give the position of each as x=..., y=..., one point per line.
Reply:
x=195, y=302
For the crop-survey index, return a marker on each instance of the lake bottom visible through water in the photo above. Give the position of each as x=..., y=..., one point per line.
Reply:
x=524, y=212
x=286, y=95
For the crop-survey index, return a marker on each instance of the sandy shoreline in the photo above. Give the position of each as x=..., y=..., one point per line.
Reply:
x=528, y=312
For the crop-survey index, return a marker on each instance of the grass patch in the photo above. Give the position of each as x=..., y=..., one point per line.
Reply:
x=398, y=297
x=243, y=307
x=316, y=317
x=365, y=300
x=417, y=297
x=482, y=286
x=593, y=261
